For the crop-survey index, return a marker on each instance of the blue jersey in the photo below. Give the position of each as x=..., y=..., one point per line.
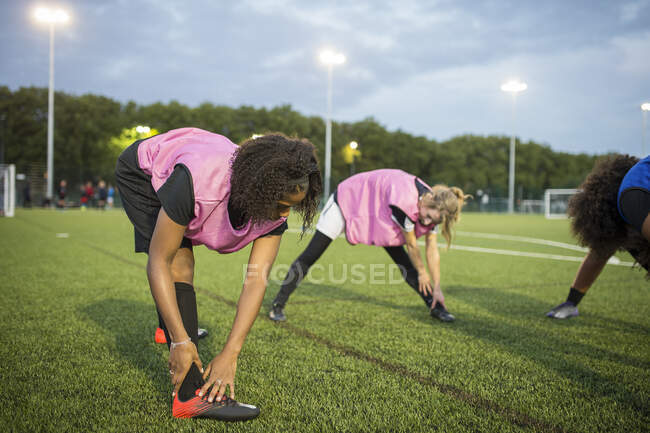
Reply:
x=637, y=178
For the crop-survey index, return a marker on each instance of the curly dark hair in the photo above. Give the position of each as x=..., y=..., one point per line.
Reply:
x=595, y=220
x=266, y=168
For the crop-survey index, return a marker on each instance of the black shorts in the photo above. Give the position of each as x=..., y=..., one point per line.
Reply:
x=139, y=199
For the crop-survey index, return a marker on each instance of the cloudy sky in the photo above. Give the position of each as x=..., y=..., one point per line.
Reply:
x=431, y=68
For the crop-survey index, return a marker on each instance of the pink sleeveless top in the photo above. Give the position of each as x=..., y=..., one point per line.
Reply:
x=207, y=157
x=365, y=200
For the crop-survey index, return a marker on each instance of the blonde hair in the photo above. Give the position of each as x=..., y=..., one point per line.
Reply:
x=450, y=201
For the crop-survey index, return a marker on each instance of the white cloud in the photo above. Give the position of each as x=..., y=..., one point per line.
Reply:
x=634, y=52
x=630, y=11
x=565, y=104
x=120, y=68
x=283, y=60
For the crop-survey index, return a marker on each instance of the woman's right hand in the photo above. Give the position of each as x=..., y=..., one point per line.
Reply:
x=424, y=283
x=181, y=357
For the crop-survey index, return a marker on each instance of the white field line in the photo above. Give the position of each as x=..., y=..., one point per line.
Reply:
x=524, y=239
x=612, y=261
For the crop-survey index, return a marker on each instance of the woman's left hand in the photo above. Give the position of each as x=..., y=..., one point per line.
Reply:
x=438, y=298
x=220, y=372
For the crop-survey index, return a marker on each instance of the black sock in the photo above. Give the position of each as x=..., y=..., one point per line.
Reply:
x=574, y=296
x=193, y=380
x=186, y=299
x=300, y=267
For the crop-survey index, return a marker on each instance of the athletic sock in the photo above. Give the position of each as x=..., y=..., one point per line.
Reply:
x=186, y=299
x=193, y=380
x=300, y=267
x=574, y=296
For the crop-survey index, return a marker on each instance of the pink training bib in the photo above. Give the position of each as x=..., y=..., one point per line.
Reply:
x=365, y=200
x=207, y=156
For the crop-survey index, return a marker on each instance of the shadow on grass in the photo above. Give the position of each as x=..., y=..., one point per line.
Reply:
x=132, y=324
x=326, y=293
x=551, y=351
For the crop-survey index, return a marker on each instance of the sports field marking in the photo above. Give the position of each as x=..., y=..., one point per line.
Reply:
x=612, y=261
x=512, y=415
x=524, y=239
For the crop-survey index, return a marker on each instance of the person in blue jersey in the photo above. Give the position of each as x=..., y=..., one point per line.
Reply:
x=611, y=212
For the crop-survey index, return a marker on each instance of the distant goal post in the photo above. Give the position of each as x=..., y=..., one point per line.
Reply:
x=556, y=202
x=7, y=190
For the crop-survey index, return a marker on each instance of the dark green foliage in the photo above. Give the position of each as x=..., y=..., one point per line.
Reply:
x=84, y=125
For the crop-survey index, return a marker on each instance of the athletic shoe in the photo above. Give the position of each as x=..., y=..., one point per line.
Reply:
x=188, y=404
x=277, y=313
x=159, y=336
x=439, y=312
x=563, y=311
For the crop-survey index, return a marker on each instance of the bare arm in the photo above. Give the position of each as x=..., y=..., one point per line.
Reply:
x=589, y=269
x=413, y=251
x=221, y=370
x=433, y=260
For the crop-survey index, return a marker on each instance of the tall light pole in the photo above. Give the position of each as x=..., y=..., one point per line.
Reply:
x=353, y=145
x=51, y=17
x=645, y=107
x=329, y=58
x=513, y=87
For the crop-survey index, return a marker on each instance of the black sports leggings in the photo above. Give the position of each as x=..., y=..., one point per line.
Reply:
x=315, y=249
x=186, y=299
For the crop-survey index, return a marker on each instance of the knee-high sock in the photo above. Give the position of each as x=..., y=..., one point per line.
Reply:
x=300, y=267
x=186, y=299
x=410, y=274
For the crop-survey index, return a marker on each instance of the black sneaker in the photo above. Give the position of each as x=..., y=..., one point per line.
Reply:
x=277, y=313
x=188, y=404
x=439, y=312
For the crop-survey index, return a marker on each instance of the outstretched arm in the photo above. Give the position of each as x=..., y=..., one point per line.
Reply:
x=221, y=370
x=433, y=261
x=413, y=251
x=589, y=269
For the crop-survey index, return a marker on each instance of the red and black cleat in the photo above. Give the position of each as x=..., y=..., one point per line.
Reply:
x=188, y=404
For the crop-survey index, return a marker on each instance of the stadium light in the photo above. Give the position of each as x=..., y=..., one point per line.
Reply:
x=51, y=17
x=330, y=59
x=645, y=107
x=513, y=87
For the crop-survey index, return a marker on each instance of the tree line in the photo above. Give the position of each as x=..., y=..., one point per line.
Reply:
x=86, y=125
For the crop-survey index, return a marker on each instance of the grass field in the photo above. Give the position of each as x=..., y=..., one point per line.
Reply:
x=78, y=354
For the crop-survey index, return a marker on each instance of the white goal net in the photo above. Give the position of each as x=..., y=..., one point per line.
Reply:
x=7, y=190
x=556, y=202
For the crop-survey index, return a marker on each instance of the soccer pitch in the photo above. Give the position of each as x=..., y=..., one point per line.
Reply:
x=78, y=320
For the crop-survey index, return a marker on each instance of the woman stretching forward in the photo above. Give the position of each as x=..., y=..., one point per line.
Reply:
x=388, y=208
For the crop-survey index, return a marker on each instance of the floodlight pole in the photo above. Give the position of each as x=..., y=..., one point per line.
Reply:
x=50, y=121
x=514, y=87
x=645, y=107
x=51, y=17
x=328, y=134
x=511, y=170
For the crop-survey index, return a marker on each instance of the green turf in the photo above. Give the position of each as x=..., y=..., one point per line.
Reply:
x=78, y=354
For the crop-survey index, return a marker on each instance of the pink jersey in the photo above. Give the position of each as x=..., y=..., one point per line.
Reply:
x=365, y=201
x=207, y=156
